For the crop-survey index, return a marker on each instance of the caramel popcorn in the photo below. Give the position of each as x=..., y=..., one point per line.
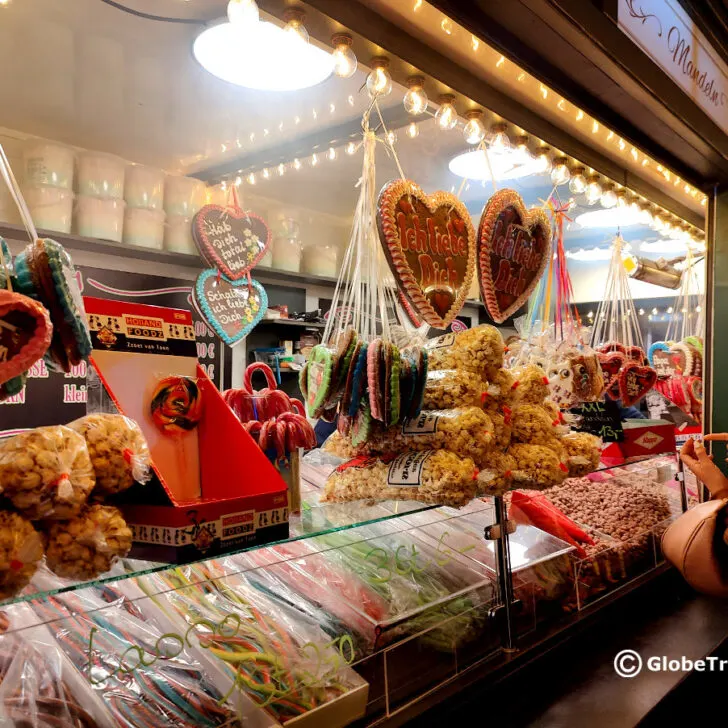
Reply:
x=478, y=350
x=537, y=467
x=46, y=472
x=448, y=388
x=337, y=444
x=437, y=477
x=502, y=428
x=467, y=432
x=583, y=453
x=533, y=425
x=533, y=385
x=87, y=545
x=496, y=474
x=501, y=391
x=21, y=548
x=118, y=450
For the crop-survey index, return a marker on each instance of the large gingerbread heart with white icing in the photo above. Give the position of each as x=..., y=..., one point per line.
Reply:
x=514, y=245
x=429, y=242
x=229, y=239
x=25, y=333
x=635, y=381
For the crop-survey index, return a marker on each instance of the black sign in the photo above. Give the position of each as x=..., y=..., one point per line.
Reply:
x=601, y=419
x=50, y=398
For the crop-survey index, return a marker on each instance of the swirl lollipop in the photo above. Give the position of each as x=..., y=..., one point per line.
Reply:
x=176, y=405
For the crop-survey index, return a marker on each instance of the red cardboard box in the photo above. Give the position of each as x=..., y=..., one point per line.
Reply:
x=647, y=437
x=213, y=490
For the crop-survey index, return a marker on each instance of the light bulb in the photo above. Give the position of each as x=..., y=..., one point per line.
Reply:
x=657, y=222
x=521, y=145
x=345, y=63
x=413, y=131
x=609, y=196
x=331, y=154
x=544, y=161
x=281, y=169
x=560, y=174
x=314, y=159
x=243, y=12
x=265, y=173
x=296, y=164
x=593, y=191
x=577, y=183
x=474, y=131
x=446, y=116
x=251, y=179
x=645, y=216
x=668, y=227
x=350, y=148
x=379, y=82
x=622, y=199
x=498, y=141
x=415, y=100
x=295, y=28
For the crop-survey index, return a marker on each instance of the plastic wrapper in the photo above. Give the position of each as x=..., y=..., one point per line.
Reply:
x=478, y=350
x=144, y=675
x=21, y=548
x=337, y=444
x=38, y=686
x=496, y=474
x=87, y=545
x=500, y=391
x=532, y=385
x=46, y=472
x=118, y=451
x=275, y=654
x=532, y=424
x=583, y=453
x=537, y=467
x=467, y=432
x=502, y=428
x=437, y=477
x=448, y=388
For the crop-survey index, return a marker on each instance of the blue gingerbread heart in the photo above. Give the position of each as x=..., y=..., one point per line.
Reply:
x=231, y=308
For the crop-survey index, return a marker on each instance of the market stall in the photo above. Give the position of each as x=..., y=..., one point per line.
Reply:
x=318, y=371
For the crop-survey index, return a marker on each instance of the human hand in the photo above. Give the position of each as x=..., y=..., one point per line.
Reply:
x=695, y=457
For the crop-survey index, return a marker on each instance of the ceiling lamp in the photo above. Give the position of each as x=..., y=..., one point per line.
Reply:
x=415, y=100
x=509, y=164
x=379, y=82
x=345, y=62
x=609, y=218
x=446, y=116
x=270, y=59
x=560, y=174
x=474, y=131
x=243, y=12
x=295, y=28
x=577, y=183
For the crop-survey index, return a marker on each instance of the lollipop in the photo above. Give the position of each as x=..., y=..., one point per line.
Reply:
x=176, y=405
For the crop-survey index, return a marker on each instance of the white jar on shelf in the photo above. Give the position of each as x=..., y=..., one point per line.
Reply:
x=51, y=208
x=144, y=187
x=48, y=164
x=287, y=246
x=183, y=195
x=101, y=175
x=144, y=227
x=178, y=235
x=321, y=259
x=99, y=218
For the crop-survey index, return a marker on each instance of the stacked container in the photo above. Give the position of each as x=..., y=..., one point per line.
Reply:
x=100, y=203
x=183, y=197
x=48, y=189
x=144, y=196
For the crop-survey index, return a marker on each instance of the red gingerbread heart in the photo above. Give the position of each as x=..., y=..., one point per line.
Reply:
x=635, y=381
x=514, y=245
x=612, y=346
x=611, y=364
x=429, y=242
x=233, y=241
x=636, y=353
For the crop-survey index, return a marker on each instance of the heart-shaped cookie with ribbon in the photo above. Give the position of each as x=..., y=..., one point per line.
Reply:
x=514, y=245
x=611, y=364
x=25, y=333
x=429, y=242
x=231, y=240
x=681, y=357
x=231, y=308
x=635, y=381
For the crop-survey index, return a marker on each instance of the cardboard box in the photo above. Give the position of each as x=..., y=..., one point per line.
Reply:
x=213, y=490
x=647, y=437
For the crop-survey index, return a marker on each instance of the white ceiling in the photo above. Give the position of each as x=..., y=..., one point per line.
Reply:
x=83, y=73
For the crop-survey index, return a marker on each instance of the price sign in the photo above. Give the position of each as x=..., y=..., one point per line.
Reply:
x=601, y=419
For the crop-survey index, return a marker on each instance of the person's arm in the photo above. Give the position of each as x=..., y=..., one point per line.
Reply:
x=695, y=457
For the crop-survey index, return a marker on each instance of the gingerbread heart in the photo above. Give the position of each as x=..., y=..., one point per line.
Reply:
x=514, y=245
x=231, y=308
x=611, y=364
x=25, y=333
x=233, y=241
x=412, y=315
x=636, y=353
x=429, y=242
x=695, y=391
x=682, y=359
x=612, y=346
x=635, y=381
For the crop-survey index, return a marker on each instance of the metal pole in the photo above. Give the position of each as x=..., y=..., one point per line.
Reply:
x=505, y=577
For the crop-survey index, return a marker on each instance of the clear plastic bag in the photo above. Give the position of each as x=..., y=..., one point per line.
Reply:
x=437, y=477
x=144, y=675
x=118, y=450
x=89, y=544
x=446, y=388
x=46, y=472
x=21, y=548
x=478, y=350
